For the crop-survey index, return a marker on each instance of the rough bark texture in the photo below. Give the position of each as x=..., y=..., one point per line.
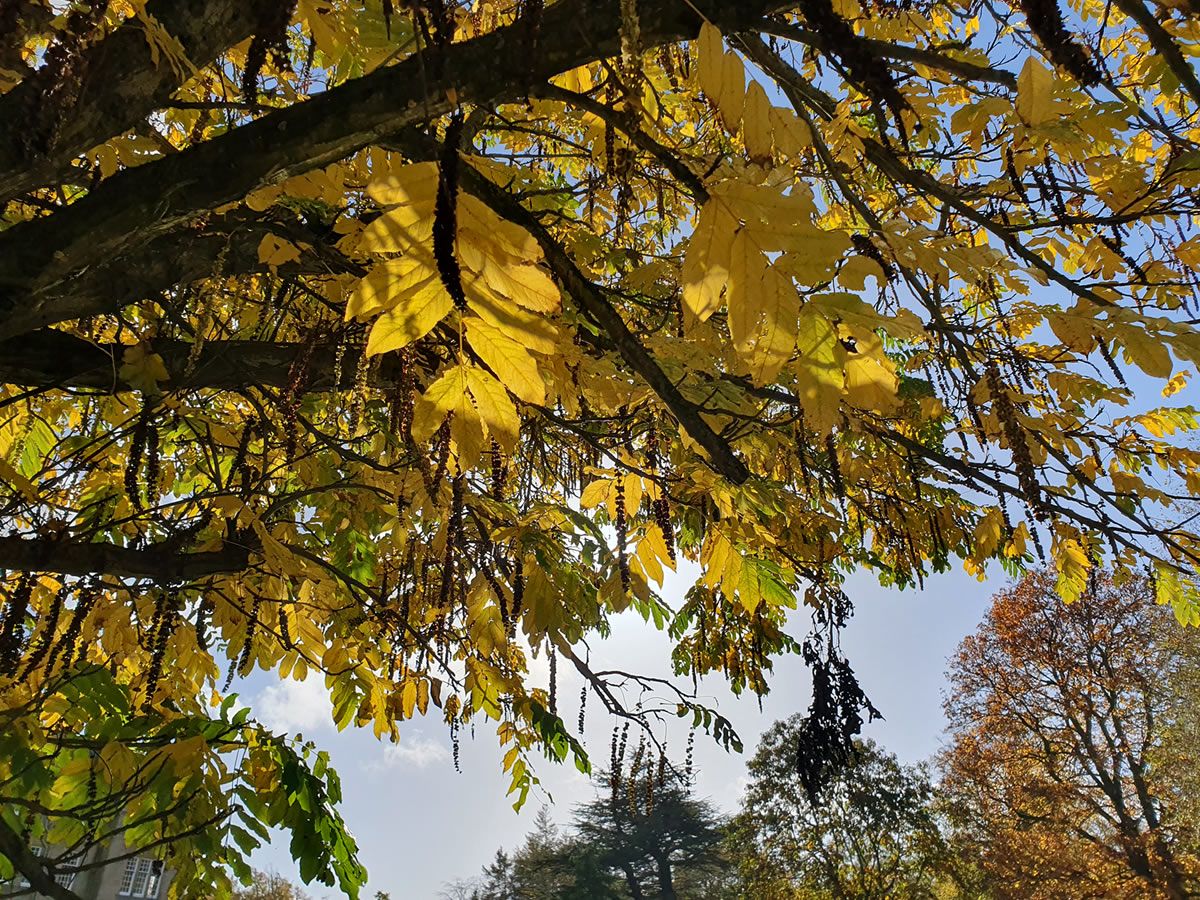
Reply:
x=122, y=84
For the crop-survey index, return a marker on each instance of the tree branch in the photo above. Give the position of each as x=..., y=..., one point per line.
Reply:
x=139, y=205
x=160, y=562
x=121, y=84
x=55, y=359
x=23, y=860
x=179, y=258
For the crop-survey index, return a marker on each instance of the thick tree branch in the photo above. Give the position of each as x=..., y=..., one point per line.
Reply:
x=140, y=205
x=55, y=359
x=24, y=861
x=121, y=85
x=158, y=562
x=177, y=259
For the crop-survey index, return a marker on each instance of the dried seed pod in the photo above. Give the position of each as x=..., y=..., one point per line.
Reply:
x=137, y=446
x=12, y=630
x=1107, y=356
x=835, y=468
x=689, y=760
x=203, y=611
x=518, y=588
x=163, y=625
x=1015, y=437
x=245, y=657
x=293, y=393
x=1045, y=20
x=285, y=629
x=631, y=41
x=445, y=214
x=270, y=37
x=622, y=526
x=153, y=464
x=238, y=467
x=553, y=678
x=499, y=473
x=68, y=647
x=583, y=695
x=47, y=631
x=358, y=397
x=862, y=64
x=864, y=246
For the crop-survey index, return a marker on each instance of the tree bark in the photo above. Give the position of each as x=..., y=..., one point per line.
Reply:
x=139, y=205
x=121, y=84
x=160, y=562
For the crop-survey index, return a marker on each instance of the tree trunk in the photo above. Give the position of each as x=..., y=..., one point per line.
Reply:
x=635, y=887
x=666, y=883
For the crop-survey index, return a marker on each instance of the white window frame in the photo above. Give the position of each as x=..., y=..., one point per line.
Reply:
x=142, y=878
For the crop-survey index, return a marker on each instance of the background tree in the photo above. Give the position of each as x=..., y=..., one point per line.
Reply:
x=361, y=340
x=653, y=835
x=871, y=833
x=270, y=886
x=644, y=837
x=1059, y=715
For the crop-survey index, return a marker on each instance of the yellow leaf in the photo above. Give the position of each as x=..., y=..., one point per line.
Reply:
x=711, y=51
x=408, y=698
x=443, y=395
x=410, y=319
x=706, y=262
x=495, y=407
x=988, y=534
x=388, y=282
x=762, y=311
x=819, y=370
x=510, y=361
x=527, y=328
x=792, y=134
x=756, y=124
x=525, y=285
x=595, y=494
x=481, y=224
x=732, y=98
x=1177, y=383
x=1145, y=351
x=17, y=480
x=412, y=185
x=654, y=541
x=1035, y=93
x=404, y=229
x=275, y=251
x=1072, y=565
x=141, y=369
x=871, y=381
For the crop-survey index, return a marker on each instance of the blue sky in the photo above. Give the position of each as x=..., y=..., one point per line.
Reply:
x=420, y=824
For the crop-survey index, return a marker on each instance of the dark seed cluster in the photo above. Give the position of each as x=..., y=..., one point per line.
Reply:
x=835, y=715
x=12, y=629
x=862, y=65
x=1046, y=21
x=445, y=213
x=622, y=526
x=270, y=38
x=48, y=629
x=1014, y=435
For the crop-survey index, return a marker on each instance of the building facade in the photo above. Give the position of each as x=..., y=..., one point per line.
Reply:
x=107, y=873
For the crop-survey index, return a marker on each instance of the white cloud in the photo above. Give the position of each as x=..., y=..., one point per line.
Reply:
x=294, y=706
x=415, y=751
